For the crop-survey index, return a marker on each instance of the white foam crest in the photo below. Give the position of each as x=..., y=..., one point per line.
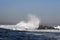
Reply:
x=32, y=23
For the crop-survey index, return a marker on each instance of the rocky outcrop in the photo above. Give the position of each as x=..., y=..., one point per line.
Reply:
x=45, y=27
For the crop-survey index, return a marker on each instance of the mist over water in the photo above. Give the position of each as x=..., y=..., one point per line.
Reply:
x=32, y=23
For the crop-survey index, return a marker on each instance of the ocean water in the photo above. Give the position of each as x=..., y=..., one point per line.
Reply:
x=23, y=35
x=9, y=34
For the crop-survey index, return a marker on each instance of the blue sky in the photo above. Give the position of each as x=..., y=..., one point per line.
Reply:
x=13, y=11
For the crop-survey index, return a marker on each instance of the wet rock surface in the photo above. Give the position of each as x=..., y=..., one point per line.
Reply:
x=6, y=34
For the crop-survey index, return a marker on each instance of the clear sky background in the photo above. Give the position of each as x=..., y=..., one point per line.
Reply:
x=13, y=11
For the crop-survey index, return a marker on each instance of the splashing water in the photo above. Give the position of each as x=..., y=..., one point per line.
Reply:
x=32, y=23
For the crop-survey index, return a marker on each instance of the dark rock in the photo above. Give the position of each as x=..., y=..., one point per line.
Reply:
x=45, y=27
